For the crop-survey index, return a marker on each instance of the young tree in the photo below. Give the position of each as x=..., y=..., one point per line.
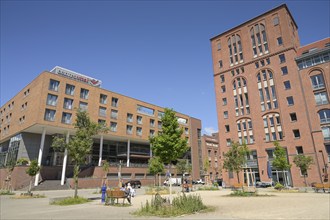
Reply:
x=303, y=162
x=235, y=158
x=105, y=168
x=280, y=161
x=79, y=145
x=169, y=145
x=156, y=167
x=32, y=171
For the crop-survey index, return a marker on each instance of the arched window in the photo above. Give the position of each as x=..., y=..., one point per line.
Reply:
x=267, y=91
x=241, y=97
x=324, y=116
x=259, y=40
x=235, y=49
x=272, y=127
x=244, y=131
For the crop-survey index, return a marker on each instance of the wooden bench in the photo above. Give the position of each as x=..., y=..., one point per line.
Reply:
x=237, y=186
x=322, y=186
x=113, y=194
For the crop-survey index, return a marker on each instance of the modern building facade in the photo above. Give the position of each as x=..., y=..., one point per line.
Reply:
x=47, y=106
x=269, y=88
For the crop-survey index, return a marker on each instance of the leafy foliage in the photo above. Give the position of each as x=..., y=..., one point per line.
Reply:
x=70, y=201
x=169, y=144
x=280, y=161
x=183, y=166
x=155, y=166
x=303, y=162
x=32, y=171
x=235, y=159
x=79, y=145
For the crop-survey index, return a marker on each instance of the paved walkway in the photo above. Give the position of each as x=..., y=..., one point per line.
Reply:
x=281, y=206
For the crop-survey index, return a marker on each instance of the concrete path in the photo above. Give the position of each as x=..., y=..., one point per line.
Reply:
x=280, y=206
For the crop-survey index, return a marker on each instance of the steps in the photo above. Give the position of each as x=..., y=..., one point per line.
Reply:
x=50, y=185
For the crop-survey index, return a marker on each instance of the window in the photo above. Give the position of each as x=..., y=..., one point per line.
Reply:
x=256, y=64
x=228, y=141
x=83, y=106
x=282, y=58
x=68, y=103
x=324, y=116
x=225, y=114
x=235, y=49
x=321, y=98
x=102, y=111
x=326, y=133
x=114, y=102
x=227, y=128
x=224, y=101
x=218, y=46
x=275, y=21
x=114, y=114
x=139, y=119
x=152, y=123
x=287, y=85
x=50, y=115
x=279, y=41
x=220, y=64
x=103, y=99
x=290, y=100
x=129, y=129
x=51, y=99
x=317, y=81
x=223, y=89
x=101, y=122
x=69, y=89
x=265, y=123
x=139, y=131
x=129, y=117
x=152, y=133
x=113, y=126
x=258, y=39
x=299, y=150
x=53, y=85
x=222, y=78
x=145, y=110
x=186, y=131
x=84, y=93
x=293, y=117
x=284, y=70
x=238, y=126
x=267, y=137
x=296, y=133
x=66, y=118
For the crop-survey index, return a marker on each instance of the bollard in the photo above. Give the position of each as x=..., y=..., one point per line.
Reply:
x=103, y=190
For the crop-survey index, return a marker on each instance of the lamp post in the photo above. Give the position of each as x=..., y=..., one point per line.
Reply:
x=119, y=173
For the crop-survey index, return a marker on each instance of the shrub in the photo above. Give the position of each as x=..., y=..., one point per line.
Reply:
x=6, y=192
x=182, y=204
x=210, y=188
x=158, y=189
x=278, y=186
x=22, y=161
x=70, y=201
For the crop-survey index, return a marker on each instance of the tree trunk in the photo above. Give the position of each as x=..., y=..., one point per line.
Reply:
x=237, y=173
x=159, y=179
x=155, y=180
x=305, y=181
x=170, y=183
x=30, y=187
x=75, y=177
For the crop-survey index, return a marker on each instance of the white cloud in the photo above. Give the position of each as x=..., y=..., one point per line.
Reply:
x=209, y=130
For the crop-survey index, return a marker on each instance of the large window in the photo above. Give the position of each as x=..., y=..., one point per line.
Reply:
x=326, y=133
x=235, y=49
x=317, y=81
x=103, y=99
x=259, y=40
x=68, y=103
x=241, y=97
x=51, y=99
x=321, y=98
x=272, y=127
x=66, y=118
x=267, y=91
x=54, y=85
x=245, y=132
x=102, y=111
x=50, y=115
x=69, y=89
x=84, y=93
x=324, y=116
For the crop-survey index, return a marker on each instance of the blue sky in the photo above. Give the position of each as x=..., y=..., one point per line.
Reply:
x=155, y=51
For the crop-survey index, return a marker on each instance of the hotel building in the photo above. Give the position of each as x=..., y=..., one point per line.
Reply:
x=47, y=107
x=268, y=87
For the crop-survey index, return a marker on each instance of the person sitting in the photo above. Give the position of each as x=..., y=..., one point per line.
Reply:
x=127, y=192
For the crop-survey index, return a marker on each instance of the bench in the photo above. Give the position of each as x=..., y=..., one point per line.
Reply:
x=113, y=194
x=237, y=186
x=322, y=186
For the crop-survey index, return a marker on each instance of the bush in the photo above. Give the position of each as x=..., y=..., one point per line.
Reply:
x=278, y=186
x=158, y=189
x=181, y=205
x=210, y=188
x=22, y=161
x=6, y=192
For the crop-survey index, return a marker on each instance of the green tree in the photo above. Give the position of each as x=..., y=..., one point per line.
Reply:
x=32, y=171
x=280, y=161
x=303, y=162
x=235, y=158
x=79, y=145
x=105, y=168
x=156, y=167
x=169, y=145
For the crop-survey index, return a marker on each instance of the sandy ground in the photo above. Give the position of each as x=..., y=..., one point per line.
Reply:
x=280, y=206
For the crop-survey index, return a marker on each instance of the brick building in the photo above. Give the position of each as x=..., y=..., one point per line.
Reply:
x=211, y=153
x=269, y=88
x=46, y=107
